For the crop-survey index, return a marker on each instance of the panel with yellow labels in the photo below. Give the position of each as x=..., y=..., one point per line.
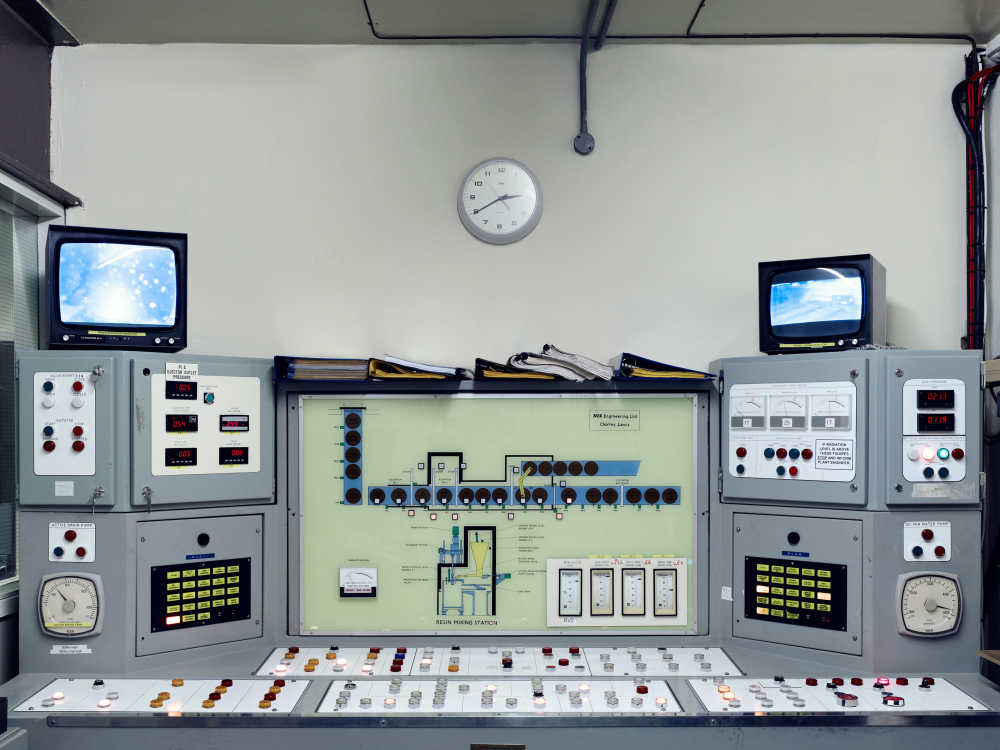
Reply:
x=214, y=604
x=817, y=597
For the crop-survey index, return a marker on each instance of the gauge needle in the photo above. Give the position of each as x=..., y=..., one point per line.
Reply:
x=501, y=198
x=61, y=594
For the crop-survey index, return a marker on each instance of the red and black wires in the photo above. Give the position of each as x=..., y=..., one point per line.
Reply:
x=968, y=99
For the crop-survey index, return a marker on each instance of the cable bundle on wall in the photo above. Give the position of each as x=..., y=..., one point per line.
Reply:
x=968, y=99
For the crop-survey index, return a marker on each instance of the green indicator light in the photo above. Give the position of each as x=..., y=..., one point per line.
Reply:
x=943, y=453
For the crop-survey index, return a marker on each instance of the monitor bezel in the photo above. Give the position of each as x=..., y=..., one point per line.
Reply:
x=64, y=334
x=771, y=342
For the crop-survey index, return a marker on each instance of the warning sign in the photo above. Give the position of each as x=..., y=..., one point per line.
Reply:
x=835, y=455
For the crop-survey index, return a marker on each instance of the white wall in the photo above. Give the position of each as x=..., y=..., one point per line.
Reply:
x=318, y=188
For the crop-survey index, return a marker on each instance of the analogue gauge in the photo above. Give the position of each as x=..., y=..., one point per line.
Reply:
x=70, y=605
x=601, y=591
x=930, y=604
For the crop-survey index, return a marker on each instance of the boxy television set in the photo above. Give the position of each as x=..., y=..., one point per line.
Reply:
x=821, y=304
x=116, y=289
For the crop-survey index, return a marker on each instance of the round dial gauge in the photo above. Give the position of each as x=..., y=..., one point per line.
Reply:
x=500, y=201
x=69, y=606
x=930, y=604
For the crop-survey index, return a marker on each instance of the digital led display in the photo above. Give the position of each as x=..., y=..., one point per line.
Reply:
x=808, y=594
x=234, y=423
x=181, y=390
x=935, y=422
x=180, y=456
x=206, y=592
x=182, y=423
x=229, y=456
x=936, y=399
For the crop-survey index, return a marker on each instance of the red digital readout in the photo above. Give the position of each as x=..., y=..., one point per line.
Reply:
x=233, y=455
x=935, y=422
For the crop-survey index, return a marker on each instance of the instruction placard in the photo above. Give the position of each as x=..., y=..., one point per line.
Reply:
x=835, y=455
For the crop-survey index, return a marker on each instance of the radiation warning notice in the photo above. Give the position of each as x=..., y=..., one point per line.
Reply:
x=835, y=455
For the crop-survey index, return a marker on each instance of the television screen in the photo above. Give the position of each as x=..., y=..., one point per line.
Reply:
x=117, y=284
x=817, y=301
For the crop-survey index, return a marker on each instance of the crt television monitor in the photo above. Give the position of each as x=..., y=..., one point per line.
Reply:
x=116, y=289
x=821, y=304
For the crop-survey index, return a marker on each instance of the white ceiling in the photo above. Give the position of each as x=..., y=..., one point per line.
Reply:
x=346, y=21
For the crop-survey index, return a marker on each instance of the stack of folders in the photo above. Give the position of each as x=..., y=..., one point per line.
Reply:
x=549, y=364
x=394, y=368
x=633, y=367
x=302, y=368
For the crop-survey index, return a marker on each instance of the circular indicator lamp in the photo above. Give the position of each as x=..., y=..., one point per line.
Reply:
x=281, y=668
x=661, y=701
x=539, y=701
x=943, y=453
x=583, y=687
x=927, y=453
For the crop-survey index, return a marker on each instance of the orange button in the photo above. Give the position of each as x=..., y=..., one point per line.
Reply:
x=264, y=704
x=177, y=682
x=208, y=704
x=452, y=667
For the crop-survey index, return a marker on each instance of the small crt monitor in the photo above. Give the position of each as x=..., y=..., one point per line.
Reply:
x=116, y=289
x=821, y=304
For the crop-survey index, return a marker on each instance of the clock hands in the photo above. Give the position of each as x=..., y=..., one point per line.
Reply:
x=499, y=199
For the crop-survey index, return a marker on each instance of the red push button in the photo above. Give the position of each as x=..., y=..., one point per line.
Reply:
x=226, y=682
x=641, y=689
x=293, y=649
x=547, y=650
x=939, y=551
x=807, y=454
x=78, y=445
x=270, y=696
x=215, y=696
x=48, y=446
x=857, y=681
x=902, y=681
x=396, y=668
x=574, y=649
x=812, y=681
x=837, y=681
x=957, y=453
x=781, y=453
x=564, y=662
x=741, y=452
x=793, y=471
x=81, y=552
x=77, y=386
x=279, y=683
x=78, y=431
x=927, y=535
x=70, y=535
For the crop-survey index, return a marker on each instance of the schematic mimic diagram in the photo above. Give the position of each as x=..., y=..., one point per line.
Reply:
x=527, y=480
x=467, y=574
x=442, y=510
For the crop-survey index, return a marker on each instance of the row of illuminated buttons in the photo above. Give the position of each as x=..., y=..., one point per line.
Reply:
x=205, y=594
x=807, y=582
x=202, y=605
x=782, y=591
x=202, y=583
x=192, y=573
x=825, y=585
x=928, y=453
x=793, y=570
x=779, y=602
x=786, y=614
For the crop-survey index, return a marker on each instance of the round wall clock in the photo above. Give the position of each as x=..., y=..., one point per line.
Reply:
x=500, y=201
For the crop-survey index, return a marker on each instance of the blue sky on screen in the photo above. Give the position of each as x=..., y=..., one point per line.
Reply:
x=117, y=283
x=816, y=300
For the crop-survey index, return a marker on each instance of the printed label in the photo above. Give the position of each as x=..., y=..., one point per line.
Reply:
x=63, y=489
x=69, y=649
x=621, y=421
x=181, y=370
x=835, y=455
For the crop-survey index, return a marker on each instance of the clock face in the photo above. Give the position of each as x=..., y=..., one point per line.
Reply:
x=500, y=201
x=930, y=604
